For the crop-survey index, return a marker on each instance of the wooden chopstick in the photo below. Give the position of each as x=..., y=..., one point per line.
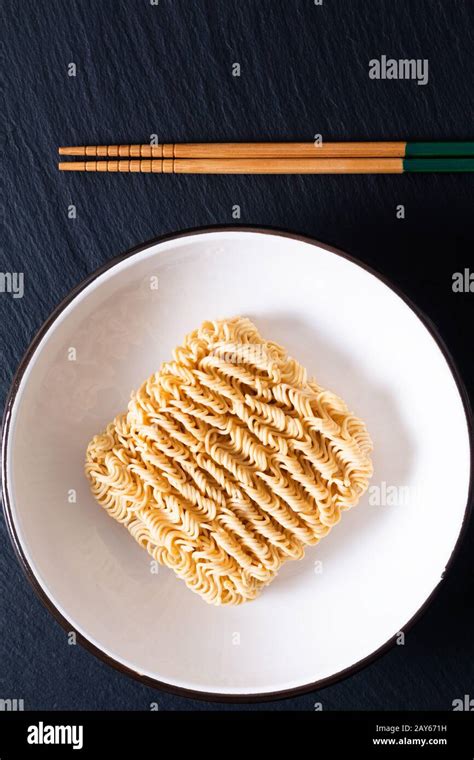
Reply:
x=276, y=150
x=275, y=166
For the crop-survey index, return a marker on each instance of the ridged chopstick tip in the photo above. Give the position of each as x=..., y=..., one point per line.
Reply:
x=70, y=151
x=72, y=166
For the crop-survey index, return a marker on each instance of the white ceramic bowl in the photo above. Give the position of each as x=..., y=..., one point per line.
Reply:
x=320, y=618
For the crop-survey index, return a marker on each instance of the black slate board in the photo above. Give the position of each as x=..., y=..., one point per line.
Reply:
x=166, y=69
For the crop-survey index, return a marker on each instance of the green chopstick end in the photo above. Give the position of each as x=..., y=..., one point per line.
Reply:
x=437, y=149
x=438, y=164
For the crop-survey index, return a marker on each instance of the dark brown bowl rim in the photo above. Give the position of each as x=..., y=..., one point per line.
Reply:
x=99, y=653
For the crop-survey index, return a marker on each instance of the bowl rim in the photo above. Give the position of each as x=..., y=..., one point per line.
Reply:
x=7, y=503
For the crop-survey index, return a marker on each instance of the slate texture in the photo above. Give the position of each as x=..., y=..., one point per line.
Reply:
x=166, y=69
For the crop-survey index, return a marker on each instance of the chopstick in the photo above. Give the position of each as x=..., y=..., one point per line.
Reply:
x=276, y=166
x=276, y=150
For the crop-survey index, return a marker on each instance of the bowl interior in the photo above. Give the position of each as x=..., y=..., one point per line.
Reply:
x=351, y=593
